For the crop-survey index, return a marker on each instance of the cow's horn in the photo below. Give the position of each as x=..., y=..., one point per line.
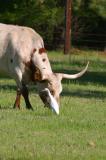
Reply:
x=74, y=76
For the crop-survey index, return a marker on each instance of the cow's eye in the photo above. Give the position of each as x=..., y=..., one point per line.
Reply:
x=44, y=60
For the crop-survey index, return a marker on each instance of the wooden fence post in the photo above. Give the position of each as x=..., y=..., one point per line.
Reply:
x=67, y=41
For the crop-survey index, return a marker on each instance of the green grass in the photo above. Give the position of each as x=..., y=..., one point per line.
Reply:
x=78, y=133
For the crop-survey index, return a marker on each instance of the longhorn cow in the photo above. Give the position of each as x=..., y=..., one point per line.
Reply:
x=24, y=58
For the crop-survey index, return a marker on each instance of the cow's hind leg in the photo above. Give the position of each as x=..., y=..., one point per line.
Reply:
x=17, y=101
x=25, y=94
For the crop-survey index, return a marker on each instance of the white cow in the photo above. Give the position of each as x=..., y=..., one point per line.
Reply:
x=23, y=57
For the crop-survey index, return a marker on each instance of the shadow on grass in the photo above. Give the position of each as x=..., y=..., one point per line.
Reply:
x=6, y=87
x=89, y=77
x=96, y=78
x=85, y=94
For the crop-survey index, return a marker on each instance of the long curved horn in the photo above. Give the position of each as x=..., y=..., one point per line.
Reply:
x=74, y=76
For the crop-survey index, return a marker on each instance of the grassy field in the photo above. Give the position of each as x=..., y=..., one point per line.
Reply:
x=78, y=133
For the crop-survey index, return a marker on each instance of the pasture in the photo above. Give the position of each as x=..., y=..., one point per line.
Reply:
x=78, y=133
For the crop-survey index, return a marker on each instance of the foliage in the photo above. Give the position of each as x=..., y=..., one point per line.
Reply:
x=43, y=16
x=48, y=18
x=89, y=22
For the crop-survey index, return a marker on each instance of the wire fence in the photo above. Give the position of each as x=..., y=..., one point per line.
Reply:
x=90, y=40
x=94, y=41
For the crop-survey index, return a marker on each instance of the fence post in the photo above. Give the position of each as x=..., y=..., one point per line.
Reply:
x=67, y=41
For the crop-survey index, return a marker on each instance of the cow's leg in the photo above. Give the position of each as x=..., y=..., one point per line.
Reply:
x=17, y=75
x=17, y=101
x=22, y=89
x=25, y=94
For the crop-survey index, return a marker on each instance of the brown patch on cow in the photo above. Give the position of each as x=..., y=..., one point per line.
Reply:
x=35, y=72
x=37, y=75
x=42, y=50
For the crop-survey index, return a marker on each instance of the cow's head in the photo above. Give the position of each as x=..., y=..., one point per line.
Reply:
x=41, y=61
x=48, y=83
x=38, y=64
x=53, y=83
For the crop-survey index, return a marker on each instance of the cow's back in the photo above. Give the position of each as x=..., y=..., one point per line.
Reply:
x=16, y=43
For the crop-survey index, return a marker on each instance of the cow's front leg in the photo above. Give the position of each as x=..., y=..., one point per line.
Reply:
x=17, y=101
x=25, y=94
